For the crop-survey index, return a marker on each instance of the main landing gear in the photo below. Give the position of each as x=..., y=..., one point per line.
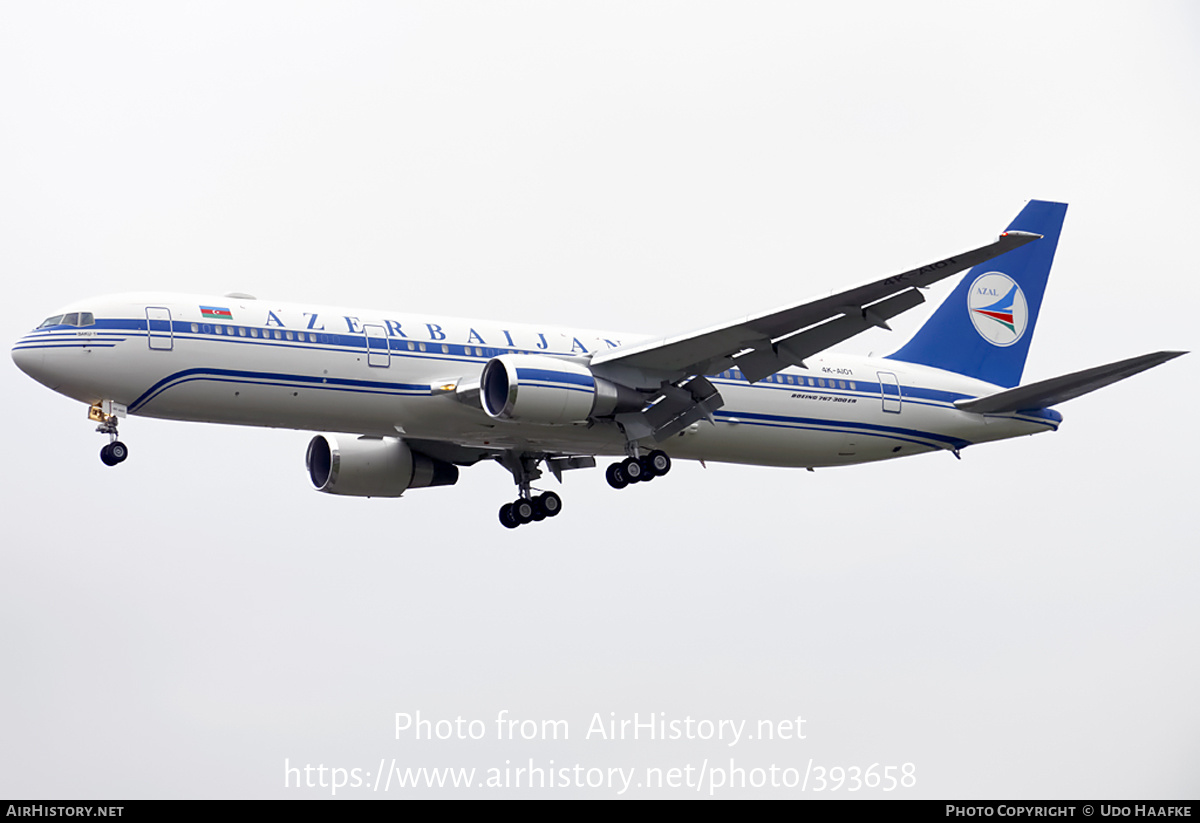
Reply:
x=638, y=469
x=527, y=508
x=107, y=414
x=530, y=509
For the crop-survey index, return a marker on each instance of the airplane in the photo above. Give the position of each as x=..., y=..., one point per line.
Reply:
x=405, y=400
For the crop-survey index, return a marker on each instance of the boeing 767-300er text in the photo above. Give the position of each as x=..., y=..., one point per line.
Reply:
x=420, y=396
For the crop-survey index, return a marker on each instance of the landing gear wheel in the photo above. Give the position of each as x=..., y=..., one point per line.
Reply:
x=660, y=462
x=550, y=503
x=114, y=453
x=632, y=469
x=522, y=511
x=648, y=473
x=616, y=477
x=507, y=518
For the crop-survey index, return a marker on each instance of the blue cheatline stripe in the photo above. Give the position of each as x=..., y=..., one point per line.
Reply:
x=59, y=338
x=1043, y=417
x=931, y=398
x=864, y=388
x=106, y=335
x=25, y=346
x=832, y=429
x=327, y=341
x=816, y=423
x=270, y=379
x=54, y=337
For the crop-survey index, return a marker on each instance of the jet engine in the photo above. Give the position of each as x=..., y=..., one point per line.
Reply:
x=534, y=388
x=373, y=467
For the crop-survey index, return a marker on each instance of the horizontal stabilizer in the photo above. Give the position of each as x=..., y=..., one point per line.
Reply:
x=1057, y=390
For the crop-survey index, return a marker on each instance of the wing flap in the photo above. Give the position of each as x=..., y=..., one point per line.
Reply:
x=676, y=408
x=1057, y=390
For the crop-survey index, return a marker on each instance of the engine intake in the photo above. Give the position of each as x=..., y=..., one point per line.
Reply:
x=373, y=467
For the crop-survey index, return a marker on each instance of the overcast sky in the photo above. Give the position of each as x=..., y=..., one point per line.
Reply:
x=1021, y=623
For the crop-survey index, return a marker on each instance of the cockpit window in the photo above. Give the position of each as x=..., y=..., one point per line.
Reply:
x=75, y=318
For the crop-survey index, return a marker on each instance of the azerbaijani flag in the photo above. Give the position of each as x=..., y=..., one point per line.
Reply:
x=216, y=313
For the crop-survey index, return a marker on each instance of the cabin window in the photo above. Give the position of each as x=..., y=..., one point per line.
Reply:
x=195, y=328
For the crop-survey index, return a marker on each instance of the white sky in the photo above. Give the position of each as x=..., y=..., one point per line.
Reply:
x=1022, y=623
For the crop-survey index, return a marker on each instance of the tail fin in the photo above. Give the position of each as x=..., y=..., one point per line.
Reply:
x=983, y=329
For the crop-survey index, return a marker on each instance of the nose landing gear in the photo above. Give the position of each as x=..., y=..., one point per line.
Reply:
x=107, y=414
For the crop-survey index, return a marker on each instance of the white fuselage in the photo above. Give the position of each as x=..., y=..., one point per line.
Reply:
x=368, y=372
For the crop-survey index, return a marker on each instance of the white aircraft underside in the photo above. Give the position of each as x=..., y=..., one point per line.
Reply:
x=420, y=395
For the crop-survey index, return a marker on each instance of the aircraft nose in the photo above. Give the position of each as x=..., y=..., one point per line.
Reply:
x=32, y=361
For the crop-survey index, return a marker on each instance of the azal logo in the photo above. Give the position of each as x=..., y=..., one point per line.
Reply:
x=998, y=309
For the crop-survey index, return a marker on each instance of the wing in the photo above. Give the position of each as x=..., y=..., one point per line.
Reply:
x=762, y=344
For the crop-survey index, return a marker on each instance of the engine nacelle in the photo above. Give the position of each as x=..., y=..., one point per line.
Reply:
x=534, y=388
x=373, y=467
